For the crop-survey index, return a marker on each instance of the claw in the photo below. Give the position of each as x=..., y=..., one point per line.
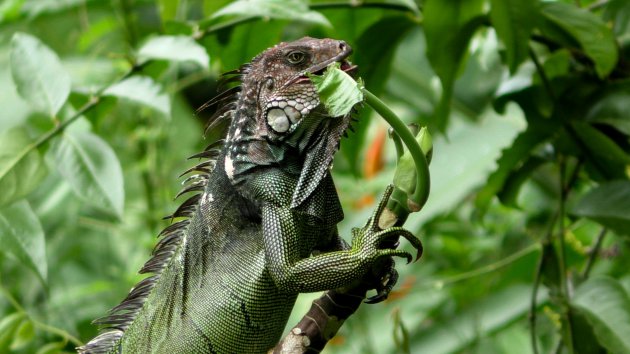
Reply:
x=398, y=253
x=376, y=298
x=406, y=234
x=384, y=289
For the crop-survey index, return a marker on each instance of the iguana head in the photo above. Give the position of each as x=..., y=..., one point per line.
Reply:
x=276, y=81
x=278, y=117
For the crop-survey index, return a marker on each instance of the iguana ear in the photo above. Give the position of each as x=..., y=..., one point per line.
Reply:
x=318, y=160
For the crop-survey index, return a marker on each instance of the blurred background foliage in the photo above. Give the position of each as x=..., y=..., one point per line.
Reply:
x=526, y=229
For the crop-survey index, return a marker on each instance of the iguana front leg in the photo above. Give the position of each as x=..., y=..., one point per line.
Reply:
x=283, y=233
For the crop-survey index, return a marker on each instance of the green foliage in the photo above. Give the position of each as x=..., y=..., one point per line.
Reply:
x=606, y=305
x=337, y=90
x=528, y=103
x=38, y=75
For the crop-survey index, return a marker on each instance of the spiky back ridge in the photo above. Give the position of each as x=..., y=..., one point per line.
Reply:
x=119, y=318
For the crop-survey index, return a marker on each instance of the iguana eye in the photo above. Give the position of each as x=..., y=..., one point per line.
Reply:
x=295, y=57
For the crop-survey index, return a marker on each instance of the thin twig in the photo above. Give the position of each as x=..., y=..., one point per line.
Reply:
x=541, y=72
x=562, y=263
x=593, y=253
x=489, y=268
x=537, y=279
x=36, y=323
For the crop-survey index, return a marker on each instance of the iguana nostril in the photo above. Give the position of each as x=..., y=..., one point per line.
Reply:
x=343, y=46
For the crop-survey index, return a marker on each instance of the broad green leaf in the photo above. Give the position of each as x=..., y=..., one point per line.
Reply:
x=608, y=204
x=38, y=75
x=295, y=10
x=143, y=90
x=514, y=20
x=174, y=48
x=584, y=339
x=618, y=12
x=512, y=159
x=168, y=9
x=607, y=307
x=448, y=27
x=612, y=108
x=602, y=152
x=92, y=169
x=10, y=10
x=24, y=334
x=409, y=4
x=210, y=7
x=508, y=195
x=8, y=325
x=21, y=167
x=22, y=235
x=338, y=91
x=595, y=38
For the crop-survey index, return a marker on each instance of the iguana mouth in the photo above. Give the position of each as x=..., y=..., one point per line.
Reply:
x=320, y=68
x=346, y=66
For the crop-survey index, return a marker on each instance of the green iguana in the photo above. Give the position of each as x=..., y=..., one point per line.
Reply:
x=261, y=228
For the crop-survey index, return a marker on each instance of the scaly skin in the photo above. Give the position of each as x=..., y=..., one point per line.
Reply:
x=227, y=276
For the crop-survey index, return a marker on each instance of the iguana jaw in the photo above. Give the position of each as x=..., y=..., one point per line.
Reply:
x=318, y=69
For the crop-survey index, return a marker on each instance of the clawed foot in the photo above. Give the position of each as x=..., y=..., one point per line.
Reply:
x=367, y=242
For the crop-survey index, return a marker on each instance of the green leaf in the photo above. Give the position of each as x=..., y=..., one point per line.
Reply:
x=508, y=195
x=143, y=90
x=408, y=4
x=21, y=234
x=92, y=169
x=584, y=339
x=295, y=10
x=21, y=167
x=618, y=12
x=595, y=38
x=38, y=75
x=10, y=10
x=608, y=204
x=448, y=27
x=512, y=159
x=612, y=109
x=337, y=90
x=607, y=307
x=168, y=9
x=601, y=151
x=514, y=20
x=8, y=325
x=174, y=48
x=23, y=335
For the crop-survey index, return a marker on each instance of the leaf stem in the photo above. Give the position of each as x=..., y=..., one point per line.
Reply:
x=489, y=268
x=423, y=184
x=541, y=72
x=38, y=324
x=562, y=262
x=593, y=253
x=537, y=280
